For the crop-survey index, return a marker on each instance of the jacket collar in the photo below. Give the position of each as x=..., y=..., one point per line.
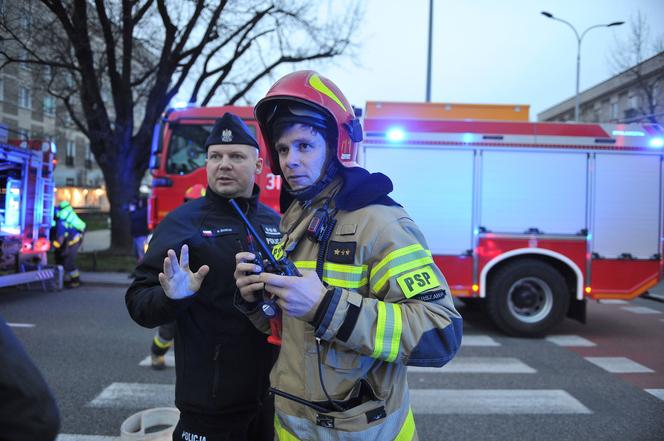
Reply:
x=362, y=188
x=247, y=204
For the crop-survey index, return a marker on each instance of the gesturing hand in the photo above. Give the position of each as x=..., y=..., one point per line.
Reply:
x=177, y=279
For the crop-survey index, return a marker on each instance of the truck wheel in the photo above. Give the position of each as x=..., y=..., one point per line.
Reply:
x=527, y=298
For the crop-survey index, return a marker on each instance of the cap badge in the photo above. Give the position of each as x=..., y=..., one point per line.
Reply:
x=226, y=136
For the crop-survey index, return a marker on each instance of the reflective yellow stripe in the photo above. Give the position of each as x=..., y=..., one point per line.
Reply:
x=283, y=434
x=355, y=276
x=399, y=269
x=161, y=344
x=396, y=333
x=338, y=267
x=407, y=431
x=350, y=284
x=380, y=330
x=56, y=244
x=318, y=84
x=394, y=254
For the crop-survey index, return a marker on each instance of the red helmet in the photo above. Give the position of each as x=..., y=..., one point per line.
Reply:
x=330, y=107
x=194, y=192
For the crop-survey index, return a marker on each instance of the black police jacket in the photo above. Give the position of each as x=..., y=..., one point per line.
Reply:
x=222, y=361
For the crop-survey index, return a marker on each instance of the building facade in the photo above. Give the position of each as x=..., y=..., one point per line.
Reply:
x=635, y=95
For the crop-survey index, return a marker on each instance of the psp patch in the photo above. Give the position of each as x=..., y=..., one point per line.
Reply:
x=218, y=231
x=272, y=234
x=341, y=252
x=418, y=281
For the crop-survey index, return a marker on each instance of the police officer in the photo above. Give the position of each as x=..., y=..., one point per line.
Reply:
x=69, y=230
x=370, y=300
x=222, y=362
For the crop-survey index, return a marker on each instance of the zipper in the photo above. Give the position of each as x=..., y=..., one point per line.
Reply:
x=215, y=381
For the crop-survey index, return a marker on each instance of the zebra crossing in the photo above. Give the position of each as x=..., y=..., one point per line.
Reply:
x=482, y=357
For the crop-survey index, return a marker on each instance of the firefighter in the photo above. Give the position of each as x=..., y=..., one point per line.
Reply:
x=370, y=300
x=222, y=362
x=68, y=234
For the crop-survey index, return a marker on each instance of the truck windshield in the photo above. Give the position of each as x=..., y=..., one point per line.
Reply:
x=186, y=150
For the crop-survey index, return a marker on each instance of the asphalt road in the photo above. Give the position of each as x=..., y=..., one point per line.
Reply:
x=498, y=388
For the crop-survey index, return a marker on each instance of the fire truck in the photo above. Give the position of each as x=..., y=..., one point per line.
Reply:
x=177, y=161
x=528, y=220
x=26, y=211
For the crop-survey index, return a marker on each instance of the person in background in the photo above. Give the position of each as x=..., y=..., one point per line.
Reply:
x=138, y=217
x=222, y=362
x=68, y=234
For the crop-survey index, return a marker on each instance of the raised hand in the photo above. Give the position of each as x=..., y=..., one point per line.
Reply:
x=177, y=279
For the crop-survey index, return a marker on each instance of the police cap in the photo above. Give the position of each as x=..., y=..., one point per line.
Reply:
x=230, y=129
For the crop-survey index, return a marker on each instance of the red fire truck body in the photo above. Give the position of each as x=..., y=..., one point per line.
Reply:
x=530, y=219
x=178, y=158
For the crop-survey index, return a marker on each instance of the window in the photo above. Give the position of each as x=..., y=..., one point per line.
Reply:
x=71, y=151
x=634, y=101
x=49, y=105
x=26, y=21
x=24, y=97
x=88, y=157
x=2, y=89
x=47, y=73
x=70, y=182
x=614, y=110
x=23, y=134
x=25, y=56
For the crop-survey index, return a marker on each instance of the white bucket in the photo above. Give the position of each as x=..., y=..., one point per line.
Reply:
x=135, y=427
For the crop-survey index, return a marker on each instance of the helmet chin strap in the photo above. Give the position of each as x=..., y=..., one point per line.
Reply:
x=308, y=193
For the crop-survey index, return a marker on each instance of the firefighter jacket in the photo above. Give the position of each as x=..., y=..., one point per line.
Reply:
x=65, y=234
x=388, y=306
x=222, y=361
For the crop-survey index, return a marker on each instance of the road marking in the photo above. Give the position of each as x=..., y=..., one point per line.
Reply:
x=72, y=437
x=169, y=357
x=640, y=310
x=494, y=401
x=478, y=340
x=613, y=301
x=618, y=365
x=659, y=393
x=21, y=325
x=478, y=365
x=135, y=396
x=570, y=341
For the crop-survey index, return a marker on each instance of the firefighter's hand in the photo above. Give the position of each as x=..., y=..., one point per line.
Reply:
x=177, y=279
x=247, y=277
x=297, y=296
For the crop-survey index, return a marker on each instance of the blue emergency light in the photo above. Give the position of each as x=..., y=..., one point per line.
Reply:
x=395, y=134
x=657, y=143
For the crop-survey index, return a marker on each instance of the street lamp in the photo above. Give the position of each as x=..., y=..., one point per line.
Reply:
x=578, y=51
x=429, y=51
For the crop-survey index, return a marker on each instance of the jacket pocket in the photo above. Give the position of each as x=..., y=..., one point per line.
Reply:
x=339, y=360
x=216, y=378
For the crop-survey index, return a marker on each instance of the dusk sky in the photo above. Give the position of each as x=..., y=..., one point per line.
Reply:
x=486, y=51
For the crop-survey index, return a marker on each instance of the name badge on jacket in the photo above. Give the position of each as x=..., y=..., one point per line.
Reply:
x=218, y=231
x=272, y=234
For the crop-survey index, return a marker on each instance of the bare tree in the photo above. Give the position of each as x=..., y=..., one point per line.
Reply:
x=115, y=65
x=628, y=57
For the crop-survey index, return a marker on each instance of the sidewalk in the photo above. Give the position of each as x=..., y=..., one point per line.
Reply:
x=656, y=292
x=106, y=279
x=96, y=241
